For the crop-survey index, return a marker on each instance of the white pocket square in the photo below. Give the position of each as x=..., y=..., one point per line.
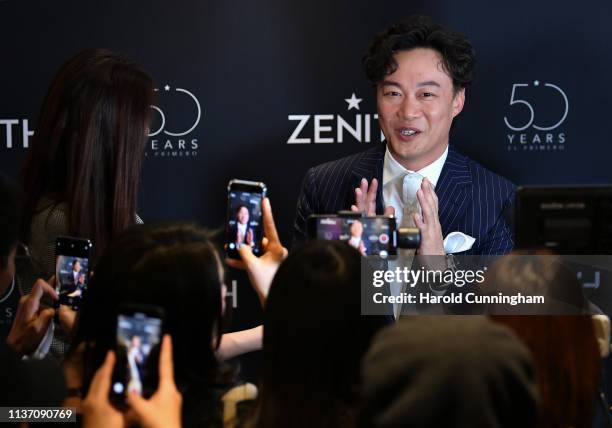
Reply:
x=457, y=242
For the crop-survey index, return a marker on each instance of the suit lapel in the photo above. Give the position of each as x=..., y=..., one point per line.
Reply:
x=368, y=166
x=453, y=189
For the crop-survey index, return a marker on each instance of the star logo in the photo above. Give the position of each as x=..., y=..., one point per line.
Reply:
x=166, y=88
x=536, y=83
x=353, y=102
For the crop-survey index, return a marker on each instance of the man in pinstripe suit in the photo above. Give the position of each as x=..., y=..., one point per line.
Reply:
x=420, y=71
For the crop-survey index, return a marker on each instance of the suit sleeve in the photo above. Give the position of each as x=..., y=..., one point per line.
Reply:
x=306, y=205
x=500, y=240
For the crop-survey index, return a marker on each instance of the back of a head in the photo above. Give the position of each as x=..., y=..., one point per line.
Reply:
x=535, y=273
x=314, y=336
x=567, y=363
x=89, y=144
x=448, y=371
x=10, y=216
x=175, y=267
x=561, y=339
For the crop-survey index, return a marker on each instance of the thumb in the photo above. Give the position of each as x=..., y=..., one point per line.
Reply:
x=389, y=211
x=137, y=404
x=44, y=318
x=246, y=254
x=418, y=221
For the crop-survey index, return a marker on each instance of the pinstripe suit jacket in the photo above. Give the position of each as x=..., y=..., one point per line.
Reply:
x=472, y=199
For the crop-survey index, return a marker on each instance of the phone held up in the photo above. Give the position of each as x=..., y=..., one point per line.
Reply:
x=244, y=216
x=140, y=330
x=374, y=235
x=72, y=269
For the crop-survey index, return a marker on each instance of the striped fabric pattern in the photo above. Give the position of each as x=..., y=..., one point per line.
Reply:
x=472, y=199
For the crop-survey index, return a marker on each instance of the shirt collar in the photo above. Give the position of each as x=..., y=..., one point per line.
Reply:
x=392, y=168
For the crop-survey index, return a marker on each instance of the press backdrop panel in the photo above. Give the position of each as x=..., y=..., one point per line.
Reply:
x=236, y=79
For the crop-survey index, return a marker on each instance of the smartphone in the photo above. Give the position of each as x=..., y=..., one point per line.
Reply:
x=72, y=269
x=244, y=217
x=137, y=347
x=374, y=235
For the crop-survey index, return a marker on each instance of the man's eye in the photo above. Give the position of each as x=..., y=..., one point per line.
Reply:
x=392, y=94
x=428, y=94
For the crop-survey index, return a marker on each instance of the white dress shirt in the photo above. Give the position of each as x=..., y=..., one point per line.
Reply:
x=393, y=173
x=392, y=185
x=242, y=230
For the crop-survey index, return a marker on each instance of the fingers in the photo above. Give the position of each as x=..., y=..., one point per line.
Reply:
x=365, y=197
x=360, y=193
x=67, y=317
x=236, y=264
x=166, y=364
x=429, y=196
x=418, y=222
x=40, y=288
x=138, y=406
x=100, y=384
x=246, y=254
x=428, y=203
x=268, y=219
x=370, y=202
x=359, y=200
x=41, y=324
x=389, y=211
x=428, y=222
x=31, y=302
x=52, y=283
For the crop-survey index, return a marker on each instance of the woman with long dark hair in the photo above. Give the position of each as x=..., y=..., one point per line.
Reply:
x=314, y=339
x=562, y=341
x=177, y=268
x=82, y=171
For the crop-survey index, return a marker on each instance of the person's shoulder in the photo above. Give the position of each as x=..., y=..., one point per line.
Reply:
x=482, y=176
x=51, y=214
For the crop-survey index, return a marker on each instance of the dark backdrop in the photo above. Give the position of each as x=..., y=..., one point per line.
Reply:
x=252, y=67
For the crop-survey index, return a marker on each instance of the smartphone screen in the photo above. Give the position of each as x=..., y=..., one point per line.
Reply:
x=137, y=347
x=244, y=217
x=369, y=235
x=72, y=270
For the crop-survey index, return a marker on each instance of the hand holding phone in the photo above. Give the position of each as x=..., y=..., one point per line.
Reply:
x=261, y=270
x=373, y=235
x=162, y=410
x=139, y=333
x=72, y=270
x=31, y=320
x=244, y=216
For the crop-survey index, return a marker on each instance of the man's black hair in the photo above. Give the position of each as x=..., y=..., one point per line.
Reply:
x=420, y=32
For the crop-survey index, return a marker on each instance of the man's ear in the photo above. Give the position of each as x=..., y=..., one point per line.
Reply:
x=458, y=101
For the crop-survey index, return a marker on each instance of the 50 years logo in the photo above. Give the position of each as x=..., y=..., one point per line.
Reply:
x=173, y=138
x=528, y=130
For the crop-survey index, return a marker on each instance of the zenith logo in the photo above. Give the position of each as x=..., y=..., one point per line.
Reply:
x=11, y=135
x=332, y=128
